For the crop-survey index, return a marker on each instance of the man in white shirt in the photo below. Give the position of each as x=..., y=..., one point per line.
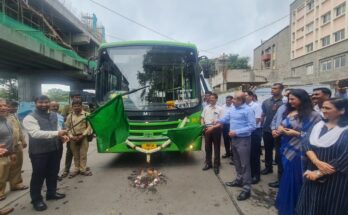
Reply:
x=255, y=150
x=212, y=135
x=206, y=99
x=44, y=131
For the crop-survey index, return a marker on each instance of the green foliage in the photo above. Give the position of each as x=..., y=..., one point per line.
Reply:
x=9, y=88
x=236, y=62
x=58, y=95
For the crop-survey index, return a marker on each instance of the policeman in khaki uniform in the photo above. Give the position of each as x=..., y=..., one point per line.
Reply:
x=67, y=109
x=5, y=210
x=78, y=133
x=16, y=180
x=8, y=138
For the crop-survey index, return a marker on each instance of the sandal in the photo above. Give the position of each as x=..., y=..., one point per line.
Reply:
x=73, y=174
x=23, y=187
x=3, y=197
x=87, y=173
x=64, y=175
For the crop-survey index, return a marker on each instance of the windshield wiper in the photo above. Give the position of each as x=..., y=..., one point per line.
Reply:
x=135, y=90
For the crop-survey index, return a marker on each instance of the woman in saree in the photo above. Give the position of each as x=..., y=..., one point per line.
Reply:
x=298, y=118
x=325, y=189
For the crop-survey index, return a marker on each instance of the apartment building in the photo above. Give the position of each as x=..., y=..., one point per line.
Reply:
x=272, y=57
x=319, y=45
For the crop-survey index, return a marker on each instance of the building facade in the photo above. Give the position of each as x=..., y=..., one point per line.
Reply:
x=224, y=79
x=319, y=45
x=272, y=57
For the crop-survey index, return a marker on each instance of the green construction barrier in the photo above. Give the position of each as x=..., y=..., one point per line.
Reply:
x=40, y=37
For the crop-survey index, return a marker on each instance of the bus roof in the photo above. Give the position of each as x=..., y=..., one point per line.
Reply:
x=147, y=42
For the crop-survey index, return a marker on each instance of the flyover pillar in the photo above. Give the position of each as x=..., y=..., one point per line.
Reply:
x=29, y=86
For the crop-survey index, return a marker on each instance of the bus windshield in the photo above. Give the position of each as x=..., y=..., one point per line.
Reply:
x=166, y=74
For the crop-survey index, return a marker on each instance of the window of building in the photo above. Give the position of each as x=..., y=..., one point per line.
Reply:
x=293, y=35
x=340, y=9
x=309, y=27
x=267, y=64
x=292, y=54
x=326, y=65
x=268, y=50
x=310, y=5
x=309, y=47
x=309, y=69
x=300, y=8
x=326, y=18
x=340, y=61
x=339, y=35
x=325, y=41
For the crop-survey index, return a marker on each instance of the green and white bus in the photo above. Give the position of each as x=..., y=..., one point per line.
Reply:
x=166, y=84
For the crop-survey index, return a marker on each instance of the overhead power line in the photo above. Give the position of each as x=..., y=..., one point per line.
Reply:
x=246, y=35
x=132, y=20
x=115, y=37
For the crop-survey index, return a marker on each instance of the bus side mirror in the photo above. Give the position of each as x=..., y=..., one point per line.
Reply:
x=205, y=65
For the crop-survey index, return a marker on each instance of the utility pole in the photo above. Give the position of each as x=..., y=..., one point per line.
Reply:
x=224, y=73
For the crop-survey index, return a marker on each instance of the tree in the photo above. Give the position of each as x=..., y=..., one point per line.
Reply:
x=58, y=95
x=236, y=62
x=9, y=88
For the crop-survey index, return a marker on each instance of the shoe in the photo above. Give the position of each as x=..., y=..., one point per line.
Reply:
x=225, y=156
x=274, y=184
x=274, y=163
x=3, y=197
x=216, y=170
x=55, y=196
x=234, y=183
x=4, y=211
x=243, y=195
x=255, y=180
x=206, y=167
x=231, y=163
x=266, y=171
x=39, y=205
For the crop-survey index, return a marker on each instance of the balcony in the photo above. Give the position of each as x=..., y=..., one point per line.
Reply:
x=266, y=57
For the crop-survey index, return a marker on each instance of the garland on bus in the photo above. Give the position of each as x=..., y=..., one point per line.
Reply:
x=158, y=148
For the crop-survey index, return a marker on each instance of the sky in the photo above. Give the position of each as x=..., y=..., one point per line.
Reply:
x=206, y=23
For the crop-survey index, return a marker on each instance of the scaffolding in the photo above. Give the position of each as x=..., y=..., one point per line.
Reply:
x=19, y=15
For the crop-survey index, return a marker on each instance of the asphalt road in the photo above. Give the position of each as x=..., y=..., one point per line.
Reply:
x=188, y=190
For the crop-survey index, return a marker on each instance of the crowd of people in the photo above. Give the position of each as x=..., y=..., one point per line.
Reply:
x=308, y=134
x=48, y=132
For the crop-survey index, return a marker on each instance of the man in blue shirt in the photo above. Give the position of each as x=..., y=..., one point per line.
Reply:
x=242, y=124
x=226, y=128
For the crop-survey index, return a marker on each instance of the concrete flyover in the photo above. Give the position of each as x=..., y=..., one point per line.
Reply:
x=41, y=41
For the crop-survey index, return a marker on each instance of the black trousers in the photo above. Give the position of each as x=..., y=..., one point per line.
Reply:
x=227, y=139
x=45, y=167
x=68, y=158
x=255, y=152
x=268, y=142
x=278, y=156
x=213, y=138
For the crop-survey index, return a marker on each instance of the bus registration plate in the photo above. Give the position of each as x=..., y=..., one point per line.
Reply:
x=148, y=146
